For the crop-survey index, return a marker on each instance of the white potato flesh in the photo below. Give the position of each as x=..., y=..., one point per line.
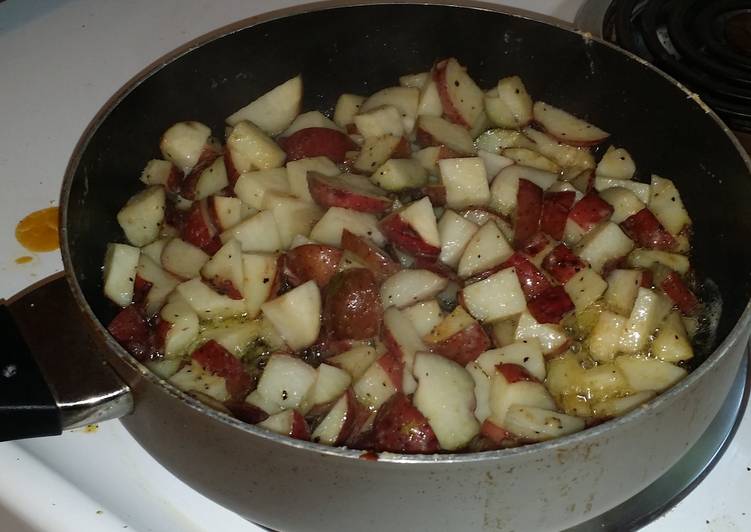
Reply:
x=156, y=172
x=407, y=287
x=640, y=190
x=443, y=132
x=329, y=228
x=497, y=297
x=404, y=99
x=234, y=337
x=162, y=283
x=455, y=232
x=526, y=354
x=259, y=275
x=407, y=341
x=207, y=303
x=509, y=104
x=430, y=100
x=378, y=122
x=649, y=374
x=605, y=338
x=646, y=258
x=666, y=204
x=648, y=311
x=607, y=242
x=183, y=259
x=551, y=337
x=623, y=285
x=421, y=217
x=275, y=110
x=120, y=265
x=251, y=187
x=193, y=378
x=375, y=151
x=212, y=180
x=576, y=158
x=466, y=182
x=297, y=174
x=493, y=162
x=183, y=143
x=505, y=186
x=374, y=386
x=257, y=234
x=584, y=288
x=330, y=427
x=251, y=149
x=225, y=265
x=228, y=211
x=330, y=384
x=284, y=384
x=565, y=126
x=503, y=395
x=398, y=174
x=347, y=106
x=539, y=424
x=308, y=120
x=141, y=218
x=295, y=218
x=296, y=315
x=445, y=395
x=424, y=316
x=356, y=360
x=183, y=327
x=616, y=164
x=486, y=249
x=671, y=343
x=621, y=405
x=531, y=159
x=624, y=202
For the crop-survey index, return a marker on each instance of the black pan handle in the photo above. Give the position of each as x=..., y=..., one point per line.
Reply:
x=52, y=373
x=27, y=408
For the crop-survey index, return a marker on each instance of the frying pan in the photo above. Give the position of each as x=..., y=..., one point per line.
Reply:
x=78, y=373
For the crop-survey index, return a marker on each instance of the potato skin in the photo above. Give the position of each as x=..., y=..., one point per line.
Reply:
x=352, y=305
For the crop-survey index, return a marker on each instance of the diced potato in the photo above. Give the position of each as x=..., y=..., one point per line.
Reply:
x=671, y=342
x=585, y=288
x=539, y=424
x=618, y=406
x=605, y=338
x=649, y=374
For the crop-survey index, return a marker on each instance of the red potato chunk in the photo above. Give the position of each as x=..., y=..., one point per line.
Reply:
x=562, y=263
x=529, y=205
x=532, y=280
x=647, y=231
x=315, y=142
x=399, y=427
x=464, y=346
x=132, y=331
x=355, y=195
x=590, y=211
x=197, y=228
x=514, y=373
x=403, y=236
x=555, y=210
x=316, y=262
x=217, y=360
x=352, y=305
x=377, y=260
x=680, y=294
x=551, y=305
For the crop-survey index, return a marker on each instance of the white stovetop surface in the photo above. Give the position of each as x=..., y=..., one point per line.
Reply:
x=60, y=60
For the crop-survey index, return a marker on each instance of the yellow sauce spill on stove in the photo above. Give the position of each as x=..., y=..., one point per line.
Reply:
x=38, y=231
x=24, y=260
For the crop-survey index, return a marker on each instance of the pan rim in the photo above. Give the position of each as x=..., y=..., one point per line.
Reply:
x=583, y=437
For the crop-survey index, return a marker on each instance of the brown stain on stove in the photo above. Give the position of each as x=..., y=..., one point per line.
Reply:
x=25, y=259
x=38, y=232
